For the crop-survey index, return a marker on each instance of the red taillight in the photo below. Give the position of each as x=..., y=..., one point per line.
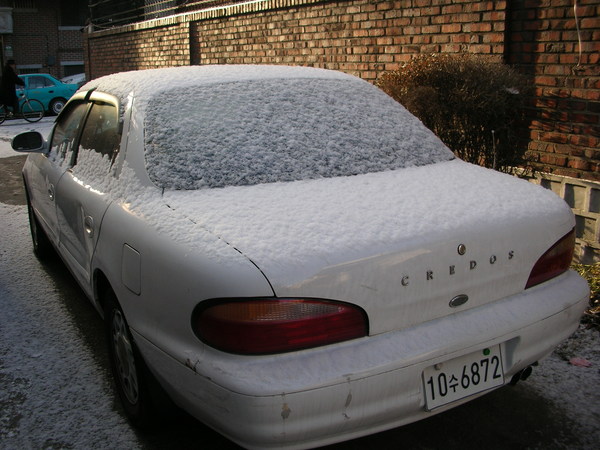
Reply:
x=555, y=261
x=261, y=326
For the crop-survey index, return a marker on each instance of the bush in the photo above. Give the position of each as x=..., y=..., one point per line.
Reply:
x=472, y=103
x=592, y=275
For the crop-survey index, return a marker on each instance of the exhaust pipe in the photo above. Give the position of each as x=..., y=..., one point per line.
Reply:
x=521, y=375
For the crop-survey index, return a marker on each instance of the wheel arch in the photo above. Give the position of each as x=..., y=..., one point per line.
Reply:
x=155, y=405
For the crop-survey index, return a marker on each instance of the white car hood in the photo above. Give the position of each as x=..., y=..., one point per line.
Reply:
x=373, y=238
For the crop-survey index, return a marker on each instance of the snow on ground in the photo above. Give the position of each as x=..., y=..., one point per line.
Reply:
x=565, y=381
x=54, y=393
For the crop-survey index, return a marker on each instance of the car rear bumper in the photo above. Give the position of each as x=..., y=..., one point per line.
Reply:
x=321, y=396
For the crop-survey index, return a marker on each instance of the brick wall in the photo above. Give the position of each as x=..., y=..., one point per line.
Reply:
x=368, y=37
x=563, y=63
x=70, y=44
x=38, y=41
x=360, y=37
x=138, y=48
x=31, y=48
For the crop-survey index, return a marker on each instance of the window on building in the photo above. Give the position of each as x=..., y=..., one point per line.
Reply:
x=24, y=5
x=23, y=69
x=73, y=69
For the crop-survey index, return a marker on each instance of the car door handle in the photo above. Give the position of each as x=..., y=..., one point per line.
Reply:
x=88, y=226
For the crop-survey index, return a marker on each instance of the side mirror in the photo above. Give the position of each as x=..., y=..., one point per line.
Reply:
x=29, y=142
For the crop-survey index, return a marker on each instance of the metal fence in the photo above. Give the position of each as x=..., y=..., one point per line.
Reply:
x=111, y=13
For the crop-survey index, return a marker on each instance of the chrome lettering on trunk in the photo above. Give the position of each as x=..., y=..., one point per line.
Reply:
x=429, y=274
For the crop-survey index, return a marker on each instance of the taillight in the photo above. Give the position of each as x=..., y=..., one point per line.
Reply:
x=555, y=261
x=266, y=325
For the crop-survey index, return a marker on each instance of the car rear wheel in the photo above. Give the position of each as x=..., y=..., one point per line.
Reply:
x=143, y=399
x=57, y=105
x=41, y=244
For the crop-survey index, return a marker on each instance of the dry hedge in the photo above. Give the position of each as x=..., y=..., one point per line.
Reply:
x=474, y=104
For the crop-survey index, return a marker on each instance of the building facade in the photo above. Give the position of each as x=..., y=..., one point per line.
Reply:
x=43, y=36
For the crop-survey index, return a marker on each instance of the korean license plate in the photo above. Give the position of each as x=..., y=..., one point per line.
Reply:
x=452, y=380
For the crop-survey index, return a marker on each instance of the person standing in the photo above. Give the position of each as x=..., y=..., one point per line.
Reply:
x=8, y=86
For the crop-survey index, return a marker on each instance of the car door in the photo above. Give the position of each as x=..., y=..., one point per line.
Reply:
x=82, y=194
x=40, y=88
x=45, y=170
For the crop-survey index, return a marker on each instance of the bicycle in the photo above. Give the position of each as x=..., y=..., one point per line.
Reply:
x=31, y=110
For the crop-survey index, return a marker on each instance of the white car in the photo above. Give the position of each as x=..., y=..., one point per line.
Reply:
x=291, y=256
x=78, y=79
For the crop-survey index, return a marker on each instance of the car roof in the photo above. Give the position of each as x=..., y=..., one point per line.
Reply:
x=47, y=75
x=146, y=84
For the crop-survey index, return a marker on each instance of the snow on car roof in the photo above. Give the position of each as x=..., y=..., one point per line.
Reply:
x=145, y=84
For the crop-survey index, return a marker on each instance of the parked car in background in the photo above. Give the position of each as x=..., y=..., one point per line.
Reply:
x=51, y=92
x=78, y=79
x=291, y=256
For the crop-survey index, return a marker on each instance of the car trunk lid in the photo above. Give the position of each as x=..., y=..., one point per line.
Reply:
x=408, y=246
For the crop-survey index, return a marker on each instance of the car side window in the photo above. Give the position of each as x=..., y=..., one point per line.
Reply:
x=39, y=82
x=101, y=130
x=66, y=132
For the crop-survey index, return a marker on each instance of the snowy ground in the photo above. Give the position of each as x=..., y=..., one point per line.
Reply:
x=50, y=395
x=54, y=391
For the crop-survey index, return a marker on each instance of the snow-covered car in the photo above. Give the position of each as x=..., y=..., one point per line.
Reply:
x=78, y=79
x=291, y=256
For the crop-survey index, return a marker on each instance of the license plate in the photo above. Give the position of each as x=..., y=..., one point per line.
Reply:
x=458, y=378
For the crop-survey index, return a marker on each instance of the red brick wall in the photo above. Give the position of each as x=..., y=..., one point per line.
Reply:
x=368, y=37
x=564, y=135
x=146, y=48
x=360, y=37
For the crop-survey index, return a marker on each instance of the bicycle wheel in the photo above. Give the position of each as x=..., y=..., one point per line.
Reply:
x=32, y=110
x=2, y=113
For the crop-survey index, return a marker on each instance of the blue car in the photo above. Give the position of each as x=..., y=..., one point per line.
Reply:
x=51, y=92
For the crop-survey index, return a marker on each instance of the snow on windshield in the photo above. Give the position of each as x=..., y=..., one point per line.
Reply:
x=269, y=130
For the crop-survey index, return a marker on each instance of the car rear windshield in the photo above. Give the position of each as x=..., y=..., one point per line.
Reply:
x=266, y=131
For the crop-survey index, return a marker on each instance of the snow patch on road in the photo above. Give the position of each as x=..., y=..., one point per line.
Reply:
x=53, y=393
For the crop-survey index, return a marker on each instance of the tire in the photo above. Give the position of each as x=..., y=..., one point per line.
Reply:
x=2, y=113
x=42, y=247
x=56, y=105
x=32, y=110
x=133, y=380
